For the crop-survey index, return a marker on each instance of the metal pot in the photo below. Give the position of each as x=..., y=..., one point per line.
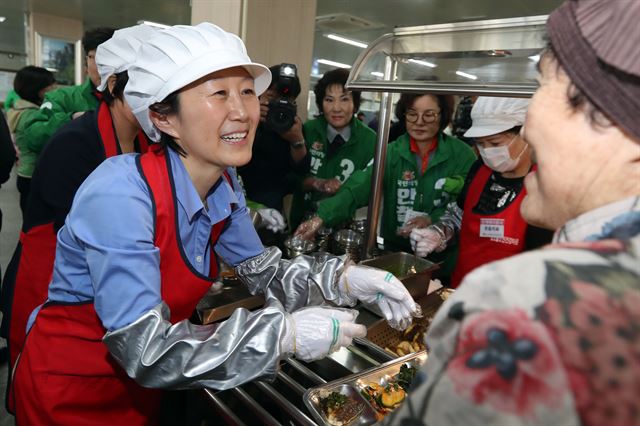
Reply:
x=348, y=241
x=295, y=246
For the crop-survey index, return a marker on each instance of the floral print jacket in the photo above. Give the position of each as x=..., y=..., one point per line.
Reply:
x=549, y=337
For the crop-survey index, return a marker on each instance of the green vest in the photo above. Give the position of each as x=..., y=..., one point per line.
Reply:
x=56, y=109
x=354, y=155
x=22, y=112
x=404, y=188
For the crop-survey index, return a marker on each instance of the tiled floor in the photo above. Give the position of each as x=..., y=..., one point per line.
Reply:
x=11, y=222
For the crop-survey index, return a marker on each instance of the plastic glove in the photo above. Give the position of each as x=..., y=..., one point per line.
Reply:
x=272, y=219
x=372, y=285
x=216, y=287
x=326, y=186
x=426, y=240
x=416, y=222
x=331, y=186
x=308, y=229
x=313, y=333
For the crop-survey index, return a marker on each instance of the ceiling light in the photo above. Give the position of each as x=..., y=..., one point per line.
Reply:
x=465, y=75
x=346, y=40
x=535, y=58
x=377, y=73
x=333, y=63
x=152, y=24
x=423, y=63
x=3, y=18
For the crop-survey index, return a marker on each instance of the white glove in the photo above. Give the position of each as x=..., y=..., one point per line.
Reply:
x=313, y=333
x=425, y=240
x=216, y=287
x=372, y=285
x=272, y=219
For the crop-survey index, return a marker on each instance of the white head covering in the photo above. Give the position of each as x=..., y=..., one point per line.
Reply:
x=118, y=53
x=491, y=115
x=179, y=55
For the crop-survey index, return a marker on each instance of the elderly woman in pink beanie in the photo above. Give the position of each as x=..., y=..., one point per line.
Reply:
x=552, y=337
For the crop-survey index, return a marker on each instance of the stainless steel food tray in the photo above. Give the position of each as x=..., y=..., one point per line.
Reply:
x=353, y=384
x=414, y=272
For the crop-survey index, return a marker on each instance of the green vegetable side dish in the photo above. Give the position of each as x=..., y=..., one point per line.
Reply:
x=385, y=399
x=406, y=375
x=334, y=401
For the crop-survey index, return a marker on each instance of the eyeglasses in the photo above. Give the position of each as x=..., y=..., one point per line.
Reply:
x=427, y=116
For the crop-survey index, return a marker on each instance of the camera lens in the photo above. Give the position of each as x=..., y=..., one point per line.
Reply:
x=281, y=115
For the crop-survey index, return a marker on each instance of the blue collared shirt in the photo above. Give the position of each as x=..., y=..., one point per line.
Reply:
x=106, y=250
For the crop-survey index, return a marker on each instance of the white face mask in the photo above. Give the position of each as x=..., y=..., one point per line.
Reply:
x=498, y=157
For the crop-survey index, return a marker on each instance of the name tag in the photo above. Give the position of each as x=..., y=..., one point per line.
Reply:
x=492, y=228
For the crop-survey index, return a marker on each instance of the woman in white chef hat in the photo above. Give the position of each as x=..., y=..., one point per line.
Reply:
x=140, y=247
x=486, y=221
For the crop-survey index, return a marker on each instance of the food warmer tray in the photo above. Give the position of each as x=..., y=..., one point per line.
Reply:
x=352, y=385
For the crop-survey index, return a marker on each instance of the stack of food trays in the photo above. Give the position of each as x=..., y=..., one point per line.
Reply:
x=366, y=397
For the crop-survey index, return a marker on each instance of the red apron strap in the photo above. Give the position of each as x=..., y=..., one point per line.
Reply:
x=107, y=133
x=216, y=231
x=143, y=142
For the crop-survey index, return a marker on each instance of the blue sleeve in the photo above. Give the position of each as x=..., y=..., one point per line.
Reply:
x=239, y=241
x=112, y=222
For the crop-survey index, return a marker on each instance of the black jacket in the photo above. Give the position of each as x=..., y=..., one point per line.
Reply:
x=266, y=177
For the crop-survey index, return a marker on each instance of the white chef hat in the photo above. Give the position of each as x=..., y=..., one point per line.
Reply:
x=179, y=55
x=118, y=53
x=492, y=115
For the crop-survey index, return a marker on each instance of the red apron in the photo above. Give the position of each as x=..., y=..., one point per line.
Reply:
x=65, y=375
x=476, y=250
x=38, y=249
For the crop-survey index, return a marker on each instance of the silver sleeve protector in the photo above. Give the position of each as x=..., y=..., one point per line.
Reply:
x=158, y=354
x=301, y=281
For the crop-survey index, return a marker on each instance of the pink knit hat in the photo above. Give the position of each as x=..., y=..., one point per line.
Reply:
x=596, y=42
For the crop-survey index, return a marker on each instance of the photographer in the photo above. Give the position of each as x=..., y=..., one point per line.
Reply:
x=279, y=147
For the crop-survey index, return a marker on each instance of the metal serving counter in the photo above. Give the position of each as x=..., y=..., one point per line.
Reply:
x=281, y=402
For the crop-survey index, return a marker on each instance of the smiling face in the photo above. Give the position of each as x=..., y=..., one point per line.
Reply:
x=423, y=129
x=337, y=106
x=217, y=120
x=580, y=166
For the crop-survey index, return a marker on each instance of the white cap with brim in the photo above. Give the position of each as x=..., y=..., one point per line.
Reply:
x=119, y=52
x=176, y=57
x=491, y=115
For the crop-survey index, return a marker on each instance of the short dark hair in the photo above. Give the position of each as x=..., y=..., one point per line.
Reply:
x=169, y=105
x=576, y=98
x=514, y=130
x=118, y=89
x=337, y=76
x=94, y=37
x=445, y=103
x=30, y=80
x=275, y=78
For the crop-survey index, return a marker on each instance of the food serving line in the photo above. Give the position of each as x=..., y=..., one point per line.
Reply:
x=293, y=398
x=501, y=55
